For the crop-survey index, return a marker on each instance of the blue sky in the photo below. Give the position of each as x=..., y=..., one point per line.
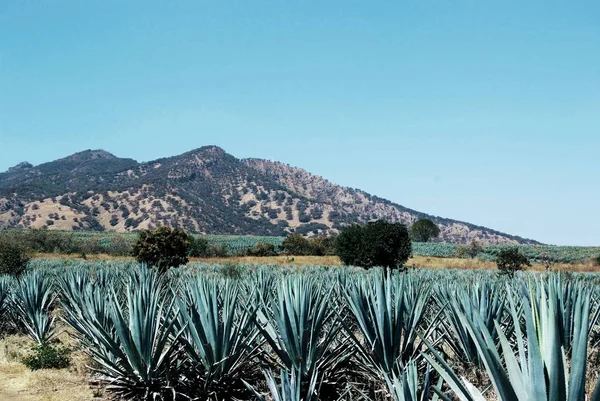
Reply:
x=483, y=111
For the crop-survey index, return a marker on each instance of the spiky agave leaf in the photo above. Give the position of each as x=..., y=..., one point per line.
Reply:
x=410, y=385
x=539, y=369
x=302, y=328
x=5, y=288
x=484, y=299
x=219, y=337
x=134, y=344
x=289, y=388
x=389, y=317
x=32, y=303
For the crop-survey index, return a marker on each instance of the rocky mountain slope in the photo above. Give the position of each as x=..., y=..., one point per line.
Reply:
x=204, y=190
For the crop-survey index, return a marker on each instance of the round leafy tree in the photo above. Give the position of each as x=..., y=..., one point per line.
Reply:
x=424, y=230
x=162, y=248
x=13, y=258
x=296, y=244
x=198, y=247
x=511, y=260
x=376, y=244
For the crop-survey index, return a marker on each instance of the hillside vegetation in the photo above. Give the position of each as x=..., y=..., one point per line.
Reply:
x=204, y=191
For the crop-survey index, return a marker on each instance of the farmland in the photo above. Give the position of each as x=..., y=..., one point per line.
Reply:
x=235, y=331
x=119, y=244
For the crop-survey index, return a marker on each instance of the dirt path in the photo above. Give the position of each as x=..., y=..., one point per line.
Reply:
x=17, y=383
x=10, y=378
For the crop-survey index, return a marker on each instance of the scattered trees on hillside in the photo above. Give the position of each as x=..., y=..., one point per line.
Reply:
x=424, y=230
x=378, y=243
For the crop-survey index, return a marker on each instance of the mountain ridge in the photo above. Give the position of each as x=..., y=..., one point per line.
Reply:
x=204, y=190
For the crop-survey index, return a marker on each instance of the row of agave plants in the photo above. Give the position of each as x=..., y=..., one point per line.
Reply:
x=337, y=334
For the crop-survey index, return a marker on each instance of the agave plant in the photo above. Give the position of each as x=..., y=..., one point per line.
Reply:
x=389, y=316
x=134, y=344
x=565, y=296
x=483, y=299
x=219, y=337
x=408, y=387
x=301, y=326
x=32, y=303
x=289, y=388
x=5, y=283
x=540, y=369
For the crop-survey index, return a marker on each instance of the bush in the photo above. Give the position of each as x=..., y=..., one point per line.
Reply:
x=13, y=259
x=296, y=244
x=216, y=251
x=198, y=247
x=118, y=246
x=162, y=248
x=46, y=356
x=597, y=260
x=262, y=249
x=232, y=270
x=322, y=245
x=377, y=244
x=424, y=230
x=511, y=260
x=469, y=251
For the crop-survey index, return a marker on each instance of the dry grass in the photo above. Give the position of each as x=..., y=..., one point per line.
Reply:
x=428, y=262
x=277, y=260
x=101, y=256
x=18, y=383
x=479, y=264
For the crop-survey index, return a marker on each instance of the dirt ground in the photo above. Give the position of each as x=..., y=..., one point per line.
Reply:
x=416, y=261
x=18, y=383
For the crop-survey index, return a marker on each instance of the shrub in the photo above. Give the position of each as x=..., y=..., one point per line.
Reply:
x=296, y=244
x=469, y=251
x=232, y=270
x=13, y=259
x=322, y=245
x=424, y=230
x=162, y=248
x=511, y=260
x=377, y=244
x=198, y=247
x=118, y=246
x=46, y=356
x=216, y=251
x=262, y=249
x=597, y=260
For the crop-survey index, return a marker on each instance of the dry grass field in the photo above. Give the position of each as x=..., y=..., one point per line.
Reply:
x=427, y=262
x=18, y=383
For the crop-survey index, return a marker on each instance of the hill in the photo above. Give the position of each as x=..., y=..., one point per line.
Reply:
x=205, y=190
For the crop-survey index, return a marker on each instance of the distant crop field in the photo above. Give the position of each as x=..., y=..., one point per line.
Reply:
x=119, y=244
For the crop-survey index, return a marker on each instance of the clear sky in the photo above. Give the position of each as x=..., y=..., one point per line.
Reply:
x=483, y=111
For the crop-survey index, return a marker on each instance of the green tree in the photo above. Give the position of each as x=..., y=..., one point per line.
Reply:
x=162, y=248
x=296, y=244
x=13, y=258
x=262, y=249
x=469, y=251
x=424, y=230
x=198, y=247
x=510, y=260
x=376, y=244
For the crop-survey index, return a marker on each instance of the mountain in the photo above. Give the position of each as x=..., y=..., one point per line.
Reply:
x=205, y=190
